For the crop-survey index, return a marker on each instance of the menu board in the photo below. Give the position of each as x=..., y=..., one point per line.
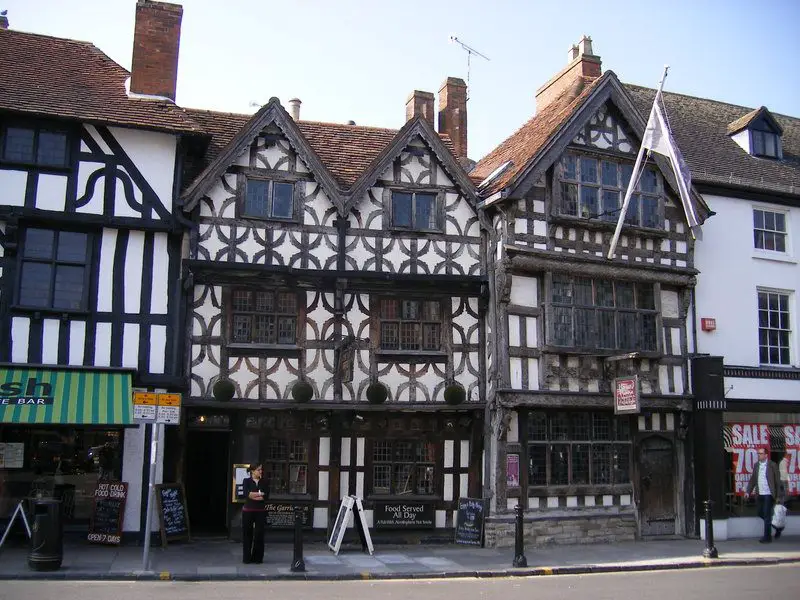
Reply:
x=172, y=513
x=108, y=511
x=280, y=515
x=339, y=526
x=469, y=521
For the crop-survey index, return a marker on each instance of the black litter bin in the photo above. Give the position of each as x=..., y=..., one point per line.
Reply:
x=47, y=540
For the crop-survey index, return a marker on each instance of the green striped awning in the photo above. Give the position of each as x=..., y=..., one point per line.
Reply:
x=63, y=396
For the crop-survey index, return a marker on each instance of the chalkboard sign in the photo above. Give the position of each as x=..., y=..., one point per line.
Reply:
x=280, y=515
x=172, y=512
x=469, y=521
x=108, y=511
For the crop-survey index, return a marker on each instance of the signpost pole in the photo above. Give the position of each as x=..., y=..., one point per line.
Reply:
x=156, y=432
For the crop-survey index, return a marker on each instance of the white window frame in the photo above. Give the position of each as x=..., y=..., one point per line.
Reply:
x=788, y=254
x=792, y=309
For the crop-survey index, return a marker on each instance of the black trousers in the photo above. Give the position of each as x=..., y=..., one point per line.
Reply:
x=253, y=536
x=764, y=503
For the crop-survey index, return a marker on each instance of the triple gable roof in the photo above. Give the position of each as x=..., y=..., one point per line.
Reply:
x=345, y=159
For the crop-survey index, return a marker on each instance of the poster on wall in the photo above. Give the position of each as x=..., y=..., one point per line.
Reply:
x=791, y=460
x=512, y=470
x=746, y=439
x=626, y=395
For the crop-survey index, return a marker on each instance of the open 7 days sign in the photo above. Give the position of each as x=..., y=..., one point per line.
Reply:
x=626, y=395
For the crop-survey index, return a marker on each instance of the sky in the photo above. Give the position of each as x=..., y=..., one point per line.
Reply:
x=360, y=59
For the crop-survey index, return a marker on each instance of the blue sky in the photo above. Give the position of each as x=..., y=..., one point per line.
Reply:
x=360, y=59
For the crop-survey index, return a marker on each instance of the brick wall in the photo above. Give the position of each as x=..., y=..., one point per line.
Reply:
x=453, y=113
x=156, y=41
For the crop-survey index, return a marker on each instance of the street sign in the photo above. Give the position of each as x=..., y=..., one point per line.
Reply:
x=144, y=406
x=169, y=409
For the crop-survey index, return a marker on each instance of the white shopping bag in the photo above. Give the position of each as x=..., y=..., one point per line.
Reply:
x=779, y=516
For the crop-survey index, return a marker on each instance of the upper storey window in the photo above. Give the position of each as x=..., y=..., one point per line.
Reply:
x=35, y=146
x=769, y=230
x=413, y=325
x=594, y=188
x=266, y=199
x=263, y=317
x=765, y=143
x=415, y=211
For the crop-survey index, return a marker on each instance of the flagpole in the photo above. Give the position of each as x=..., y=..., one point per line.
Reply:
x=635, y=174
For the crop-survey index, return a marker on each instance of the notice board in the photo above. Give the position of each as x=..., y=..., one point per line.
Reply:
x=108, y=511
x=173, y=515
x=470, y=520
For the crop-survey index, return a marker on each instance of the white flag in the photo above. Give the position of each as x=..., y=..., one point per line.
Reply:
x=657, y=138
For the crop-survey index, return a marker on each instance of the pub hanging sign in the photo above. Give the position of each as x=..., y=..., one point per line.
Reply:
x=626, y=395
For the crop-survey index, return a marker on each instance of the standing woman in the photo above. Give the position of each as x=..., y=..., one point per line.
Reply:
x=253, y=515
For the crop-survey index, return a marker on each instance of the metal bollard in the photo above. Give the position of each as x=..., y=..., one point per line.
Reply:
x=519, y=541
x=710, y=550
x=298, y=564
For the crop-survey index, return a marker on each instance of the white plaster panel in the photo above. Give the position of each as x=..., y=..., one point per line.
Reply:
x=663, y=380
x=515, y=366
x=105, y=290
x=159, y=295
x=243, y=158
x=395, y=254
x=324, y=251
x=513, y=330
x=360, y=484
x=206, y=311
x=463, y=485
x=102, y=345
x=387, y=175
x=206, y=369
x=12, y=187
x=130, y=345
x=641, y=424
x=625, y=500
x=324, y=451
x=124, y=205
x=540, y=228
x=552, y=502
x=244, y=377
x=51, y=192
x=429, y=382
x=431, y=258
x=469, y=258
x=462, y=214
x=212, y=244
x=320, y=518
x=274, y=157
x=323, y=486
x=588, y=500
x=656, y=422
x=247, y=244
x=533, y=374
x=287, y=248
x=513, y=428
x=441, y=519
x=675, y=335
x=344, y=484
x=670, y=304
x=572, y=501
x=158, y=348
x=608, y=500
x=677, y=374
x=77, y=341
x=448, y=453
x=521, y=226
x=134, y=261
x=358, y=253
x=441, y=177
x=345, y=450
x=50, y=341
x=154, y=156
x=98, y=139
x=217, y=195
x=511, y=503
x=670, y=422
x=448, y=487
x=464, y=457
x=531, y=332
x=360, y=452
x=524, y=291
x=466, y=320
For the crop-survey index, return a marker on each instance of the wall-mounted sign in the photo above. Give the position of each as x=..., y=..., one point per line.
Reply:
x=512, y=470
x=149, y=407
x=404, y=515
x=144, y=406
x=791, y=460
x=626, y=395
x=708, y=324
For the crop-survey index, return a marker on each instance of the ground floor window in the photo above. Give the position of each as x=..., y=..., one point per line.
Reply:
x=60, y=462
x=403, y=467
x=578, y=448
x=286, y=465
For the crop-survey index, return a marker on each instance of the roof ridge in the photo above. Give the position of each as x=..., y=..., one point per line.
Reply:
x=209, y=111
x=372, y=127
x=44, y=35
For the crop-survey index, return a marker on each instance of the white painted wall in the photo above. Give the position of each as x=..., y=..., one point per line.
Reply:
x=731, y=272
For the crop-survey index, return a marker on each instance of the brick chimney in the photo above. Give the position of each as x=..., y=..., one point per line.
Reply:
x=420, y=103
x=581, y=63
x=453, y=113
x=156, y=41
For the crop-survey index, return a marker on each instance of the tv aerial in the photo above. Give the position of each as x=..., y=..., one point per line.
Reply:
x=470, y=51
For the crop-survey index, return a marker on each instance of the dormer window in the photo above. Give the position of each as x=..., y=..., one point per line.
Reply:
x=757, y=133
x=764, y=143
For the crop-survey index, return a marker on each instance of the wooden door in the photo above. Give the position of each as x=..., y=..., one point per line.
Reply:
x=657, y=486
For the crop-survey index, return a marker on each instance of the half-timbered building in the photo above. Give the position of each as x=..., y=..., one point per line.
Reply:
x=568, y=322
x=90, y=256
x=336, y=319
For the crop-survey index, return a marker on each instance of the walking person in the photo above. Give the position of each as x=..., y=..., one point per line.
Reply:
x=766, y=481
x=254, y=515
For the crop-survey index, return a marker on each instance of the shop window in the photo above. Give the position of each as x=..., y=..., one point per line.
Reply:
x=263, y=317
x=413, y=325
x=598, y=313
x=44, y=147
x=266, y=199
x=54, y=270
x=578, y=448
x=403, y=467
x=774, y=328
x=65, y=463
x=286, y=466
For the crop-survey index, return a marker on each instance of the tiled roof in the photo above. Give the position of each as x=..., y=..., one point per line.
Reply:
x=744, y=121
x=522, y=145
x=345, y=150
x=700, y=128
x=56, y=77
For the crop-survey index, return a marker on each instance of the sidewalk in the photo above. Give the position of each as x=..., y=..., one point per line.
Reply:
x=214, y=559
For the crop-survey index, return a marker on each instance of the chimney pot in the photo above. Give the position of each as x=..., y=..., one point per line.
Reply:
x=294, y=107
x=4, y=19
x=156, y=42
x=351, y=122
x=420, y=103
x=453, y=113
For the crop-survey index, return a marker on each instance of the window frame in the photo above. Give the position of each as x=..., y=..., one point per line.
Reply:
x=773, y=232
x=376, y=334
x=38, y=129
x=761, y=137
x=593, y=344
x=433, y=465
x=286, y=464
x=262, y=348
x=54, y=262
x=561, y=181
x=621, y=434
x=788, y=332
x=438, y=202
x=271, y=182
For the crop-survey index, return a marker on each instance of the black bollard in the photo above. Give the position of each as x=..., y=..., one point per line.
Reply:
x=519, y=541
x=298, y=564
x=710, y=550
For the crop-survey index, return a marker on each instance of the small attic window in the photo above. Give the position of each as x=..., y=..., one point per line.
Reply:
x=765, y=143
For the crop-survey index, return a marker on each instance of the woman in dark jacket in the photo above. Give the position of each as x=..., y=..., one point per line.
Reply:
x=253, y=515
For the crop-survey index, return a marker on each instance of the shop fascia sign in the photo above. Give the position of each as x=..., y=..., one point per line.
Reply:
x=626, y=395
x=30, y=391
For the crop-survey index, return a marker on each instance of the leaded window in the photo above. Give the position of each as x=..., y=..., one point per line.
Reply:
x=769, y=230
x=263, y=317
x=604, y=314
x=765, y=143
x=55, y=269
x=774, y=328
x=268, y=199
x=578, y=448
x=416, y=211
x=36, y=146
x=403, y=467
x=594, y=188
x=414, y=325
x=286, y=466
